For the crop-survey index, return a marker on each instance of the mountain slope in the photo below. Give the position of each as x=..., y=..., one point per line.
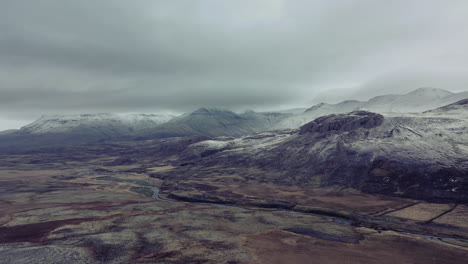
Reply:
x=422, y=156
x=319, y=110
x=95, y=128
x=214, y=122
x=418, y=100
x=78, y=129
x=92, y=128
x=457, y=108
x=105, y=122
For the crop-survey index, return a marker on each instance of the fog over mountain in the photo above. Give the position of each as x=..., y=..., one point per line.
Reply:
x=74, y=57
x=58, y=130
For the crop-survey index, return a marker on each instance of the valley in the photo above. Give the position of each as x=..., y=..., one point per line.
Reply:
x=115, y=203
x=233, y=132
x=356, y=187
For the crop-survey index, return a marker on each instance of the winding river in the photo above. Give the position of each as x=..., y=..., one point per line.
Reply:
x=335, y=219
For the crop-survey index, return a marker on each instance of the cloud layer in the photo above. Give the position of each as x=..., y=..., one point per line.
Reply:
x=63, y=56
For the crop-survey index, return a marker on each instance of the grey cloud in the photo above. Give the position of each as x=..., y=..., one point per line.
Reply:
x=71, y=56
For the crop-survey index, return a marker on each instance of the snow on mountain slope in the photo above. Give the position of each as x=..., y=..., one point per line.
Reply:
x=214, y=122
x=419, y=155
x=93, y=128
x=102, y=121
x=58, y=130
x=419, y=100
x=316, y=111
x=453, y=98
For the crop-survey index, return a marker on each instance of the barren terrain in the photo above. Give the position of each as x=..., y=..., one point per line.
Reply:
x=92, y=206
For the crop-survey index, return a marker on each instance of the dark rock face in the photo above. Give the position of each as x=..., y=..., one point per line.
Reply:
x=343, y=122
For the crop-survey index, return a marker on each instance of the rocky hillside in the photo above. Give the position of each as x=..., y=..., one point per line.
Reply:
x=422, y=155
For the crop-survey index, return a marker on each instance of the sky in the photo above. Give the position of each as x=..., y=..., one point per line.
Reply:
x=158, y=56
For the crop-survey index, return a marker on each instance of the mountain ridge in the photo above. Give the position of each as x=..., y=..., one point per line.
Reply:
x=63, y=123
x=214, y=122
x=419, y=100
x=205, y=121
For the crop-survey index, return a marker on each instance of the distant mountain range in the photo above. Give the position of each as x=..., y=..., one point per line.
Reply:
x=419, y=100
x=105, y=123
x=104, y=127
x=77, y=129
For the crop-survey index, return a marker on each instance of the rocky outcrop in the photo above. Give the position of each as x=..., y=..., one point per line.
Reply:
x=343, y=122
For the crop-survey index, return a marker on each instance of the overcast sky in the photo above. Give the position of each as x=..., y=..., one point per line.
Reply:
x=68, y=56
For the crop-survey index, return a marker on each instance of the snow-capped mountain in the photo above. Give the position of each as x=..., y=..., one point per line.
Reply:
x=316, y=111
x=113, y=123
x=419, y=100
x=214, y=122
x=57, y=130
x=92, y=128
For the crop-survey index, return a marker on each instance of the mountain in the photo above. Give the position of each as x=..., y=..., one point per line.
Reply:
x=95, y=128
x=319, y=110
x=79, y=129
x=211, y=122
x=214, y=122
x=419, y=100
x=112, y=124
x=422, y=156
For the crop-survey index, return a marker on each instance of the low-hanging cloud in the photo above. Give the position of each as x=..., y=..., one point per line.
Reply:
x=63, y=56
